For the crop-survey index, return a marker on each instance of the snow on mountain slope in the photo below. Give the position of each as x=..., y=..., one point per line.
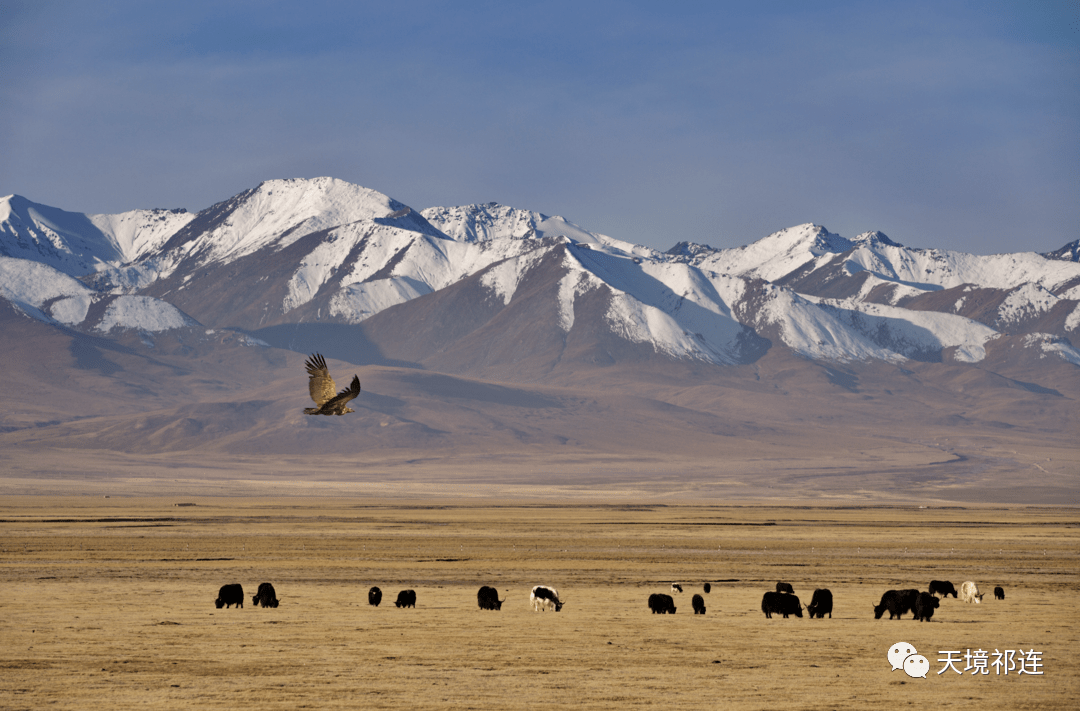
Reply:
x=806, y=327
x=492, y=222
x=942, y=269
x=482, y=223
x=1072, y=321
x=805, y=248
x=777, y=255
x=1049, y=344
x=140, y=232
x=44, y=292
x=379, y=266
x=279, y=212
x=575, y=283
x=143, y=313
x=679, y=309
x=49, y=295
x=1028, y=300
x=1068, y=253
x=67, y=241
x=920, y=335
x=383, y=266
x=79, y=244
x=505, y=276
x=273, y=215
x=323, y=250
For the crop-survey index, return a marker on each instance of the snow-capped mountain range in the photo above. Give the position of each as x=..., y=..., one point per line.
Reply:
x=435, y=283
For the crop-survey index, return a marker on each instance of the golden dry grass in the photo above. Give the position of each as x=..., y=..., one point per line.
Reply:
x=108, y=603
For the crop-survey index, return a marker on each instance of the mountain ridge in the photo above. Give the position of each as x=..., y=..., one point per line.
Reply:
x=493, y=339
x=326, y=251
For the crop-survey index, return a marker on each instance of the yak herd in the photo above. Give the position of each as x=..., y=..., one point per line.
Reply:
x=923, y=604
x=233, y=594
x=782, y=601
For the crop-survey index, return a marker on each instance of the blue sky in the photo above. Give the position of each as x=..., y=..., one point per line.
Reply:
x=942, y=124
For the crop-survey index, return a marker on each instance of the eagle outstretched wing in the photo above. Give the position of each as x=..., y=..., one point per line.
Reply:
x=321, y=386
x=339, y=401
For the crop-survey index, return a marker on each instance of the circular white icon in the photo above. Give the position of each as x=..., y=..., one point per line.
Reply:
x=916, y=665
x=898, y=653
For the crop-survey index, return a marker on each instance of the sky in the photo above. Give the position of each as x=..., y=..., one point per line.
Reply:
x=943, y=124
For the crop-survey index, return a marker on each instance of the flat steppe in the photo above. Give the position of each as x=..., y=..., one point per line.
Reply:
x=109, y=603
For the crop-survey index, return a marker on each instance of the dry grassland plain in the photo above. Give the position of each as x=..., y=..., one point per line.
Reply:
x=109, y=603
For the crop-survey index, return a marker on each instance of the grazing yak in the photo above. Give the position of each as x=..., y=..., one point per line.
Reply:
x=229, y=595
x=782, y=604
x=708, y=588
x=699, y=604
x=676, y=588
x=661, y=604
x=406, y=598
x=374, y=596
x=545, y=598
x=488, y=598
x=925, y=604
x=266, y=596
x=897, y=602
x=942, y=588
x=999, y=593
x=821, y=604
x=969, y=592
x=785, y=588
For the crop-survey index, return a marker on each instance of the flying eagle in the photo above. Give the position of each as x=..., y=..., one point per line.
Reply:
x=321, y=386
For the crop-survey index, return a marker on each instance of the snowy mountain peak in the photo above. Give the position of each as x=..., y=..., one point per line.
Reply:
x=492, y=221
x=777, y=255
x=482, y=223
x=323, y=251
x=824, y=242
x=76, y=243
x=283, y=211
x=1068, y=253
x=690, y=250
x=874, y=239
x=139, y=232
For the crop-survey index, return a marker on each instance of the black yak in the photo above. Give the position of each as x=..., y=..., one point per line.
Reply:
x=661, y=604
x=487, y=598
x=229, y=595
x=941, y=588
x=897, y=602
x=925, y=604
x=698, y=603
x=820, y=604
x=781, y=603
x=266, y=596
